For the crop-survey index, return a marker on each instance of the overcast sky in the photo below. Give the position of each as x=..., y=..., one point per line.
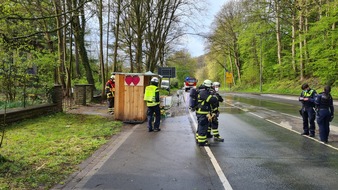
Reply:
x=195, y=44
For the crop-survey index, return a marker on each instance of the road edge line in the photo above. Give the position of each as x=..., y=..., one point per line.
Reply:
x=328, y=145
x=213, y=160
x=82, y=177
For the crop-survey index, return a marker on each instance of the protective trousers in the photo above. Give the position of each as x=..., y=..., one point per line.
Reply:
x=110, y=102
x=202, y=128
x=150, y=115
x=309, y=116
x=323, y=120
x=214, y=126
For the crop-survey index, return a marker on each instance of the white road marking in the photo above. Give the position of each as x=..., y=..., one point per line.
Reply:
x=256, y=115
x=328, y=145
x=213, y=160
x=332, y=127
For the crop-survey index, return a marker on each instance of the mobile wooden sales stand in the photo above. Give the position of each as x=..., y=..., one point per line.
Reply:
x=129, y=105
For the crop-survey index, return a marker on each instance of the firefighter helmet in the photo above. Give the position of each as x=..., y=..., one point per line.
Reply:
x=207, y=83
x=216, y=84
x=154, y=79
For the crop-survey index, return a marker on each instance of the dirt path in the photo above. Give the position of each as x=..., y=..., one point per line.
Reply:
x=90, y=109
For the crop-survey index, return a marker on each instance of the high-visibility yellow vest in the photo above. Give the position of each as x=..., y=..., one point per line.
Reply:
x=307, y=94
x=149, y=95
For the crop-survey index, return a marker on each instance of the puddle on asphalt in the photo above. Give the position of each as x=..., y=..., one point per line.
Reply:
x=257, y=102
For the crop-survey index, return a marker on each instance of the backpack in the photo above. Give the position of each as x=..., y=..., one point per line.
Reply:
x=193, y=100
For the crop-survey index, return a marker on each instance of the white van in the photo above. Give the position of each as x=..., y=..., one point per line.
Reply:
x=165, y=84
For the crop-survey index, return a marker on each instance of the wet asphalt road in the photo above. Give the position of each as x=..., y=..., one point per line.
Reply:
x=262, y=150
x=159, y=160
x=137, y=159
x=257, y=154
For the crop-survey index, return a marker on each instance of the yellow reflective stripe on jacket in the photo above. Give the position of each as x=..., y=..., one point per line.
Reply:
x=207, y=100
x=150, y=104
x=199, y=110
x=109, y=94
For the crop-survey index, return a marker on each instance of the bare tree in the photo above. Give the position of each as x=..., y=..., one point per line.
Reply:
x=162, y=19
x=147, y=28
x=117, y=32
x=79, y=26
x=100, y=18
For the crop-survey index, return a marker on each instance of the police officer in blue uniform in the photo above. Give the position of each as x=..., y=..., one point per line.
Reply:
x=307, y=98
x=325, y=112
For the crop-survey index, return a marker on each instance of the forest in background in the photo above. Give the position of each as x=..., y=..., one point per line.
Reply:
x=47, y=42
x=277, y=43
x=268, y=45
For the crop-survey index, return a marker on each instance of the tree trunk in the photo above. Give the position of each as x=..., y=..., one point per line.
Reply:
x=107, y=40
x=305, y=31
x=61, y=71
x=301, y=61
x=117, y=32
x=231, y=68
x=79, y=35
x=293, y=46
x=237, y=59
x=278, y=33
x=103, y=79
x=139, y=28
x=66, y=74
x=130, y=51
x=84, y=57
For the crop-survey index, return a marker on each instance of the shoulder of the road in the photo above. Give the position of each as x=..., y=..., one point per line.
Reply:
x=333, y=128
x=289, y=97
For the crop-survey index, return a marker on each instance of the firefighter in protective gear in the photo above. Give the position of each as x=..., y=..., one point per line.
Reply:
x=213, y=117
x=193, y=105
x=152, y=98
x=110, y=90
x=206, y=103
x=307, y=98
x=216, y=86
x=325, y=113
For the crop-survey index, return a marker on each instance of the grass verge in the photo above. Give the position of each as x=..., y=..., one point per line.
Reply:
x=42, y=152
